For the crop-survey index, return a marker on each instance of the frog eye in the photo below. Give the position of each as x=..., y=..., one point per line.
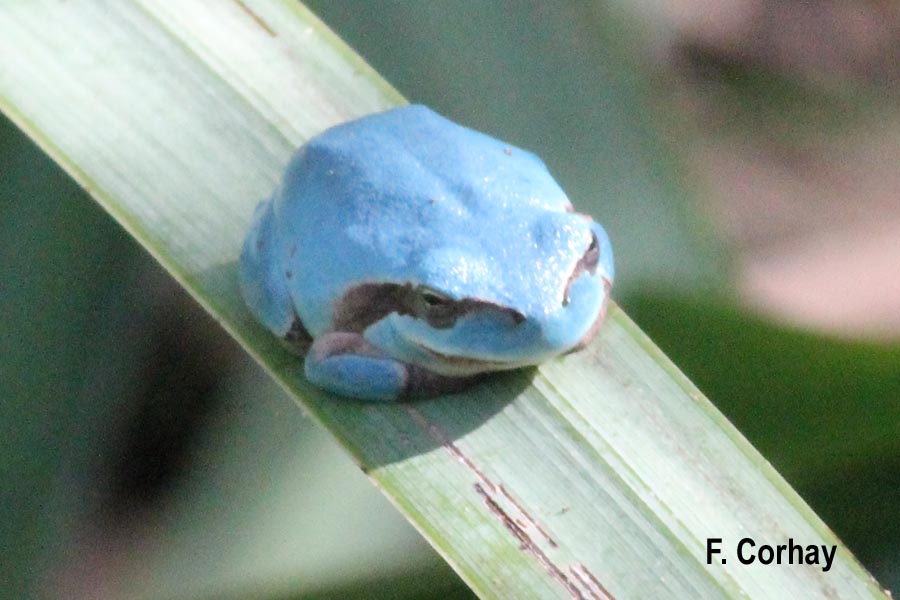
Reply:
x=432, y=298
x=438, y=309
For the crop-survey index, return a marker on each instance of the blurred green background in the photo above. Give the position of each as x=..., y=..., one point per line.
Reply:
x=145, y=457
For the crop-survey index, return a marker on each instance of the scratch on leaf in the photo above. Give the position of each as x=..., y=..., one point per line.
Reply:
x=258, y=19
x=528, y=545
x=582, y=581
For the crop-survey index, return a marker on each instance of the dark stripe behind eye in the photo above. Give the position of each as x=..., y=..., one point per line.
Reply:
x=368, y=303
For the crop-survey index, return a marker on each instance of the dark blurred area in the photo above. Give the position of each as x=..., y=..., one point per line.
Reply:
x=146, y=457
x=799, y=137
x=827, y=43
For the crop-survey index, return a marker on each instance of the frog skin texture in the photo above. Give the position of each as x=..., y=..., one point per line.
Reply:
x=407, y=255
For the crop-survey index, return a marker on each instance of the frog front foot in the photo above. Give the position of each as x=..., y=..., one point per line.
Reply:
x=347, y=364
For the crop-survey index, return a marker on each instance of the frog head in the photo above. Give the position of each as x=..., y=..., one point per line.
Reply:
x=532, y=286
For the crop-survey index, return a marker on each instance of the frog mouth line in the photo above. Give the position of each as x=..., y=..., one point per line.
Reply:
x=467, y=364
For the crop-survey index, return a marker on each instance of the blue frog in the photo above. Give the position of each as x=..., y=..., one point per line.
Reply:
x=407, y=255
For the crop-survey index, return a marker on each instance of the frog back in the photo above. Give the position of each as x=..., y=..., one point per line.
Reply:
x=409, y=197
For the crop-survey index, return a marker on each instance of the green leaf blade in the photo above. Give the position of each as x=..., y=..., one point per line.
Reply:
x=599, y=475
